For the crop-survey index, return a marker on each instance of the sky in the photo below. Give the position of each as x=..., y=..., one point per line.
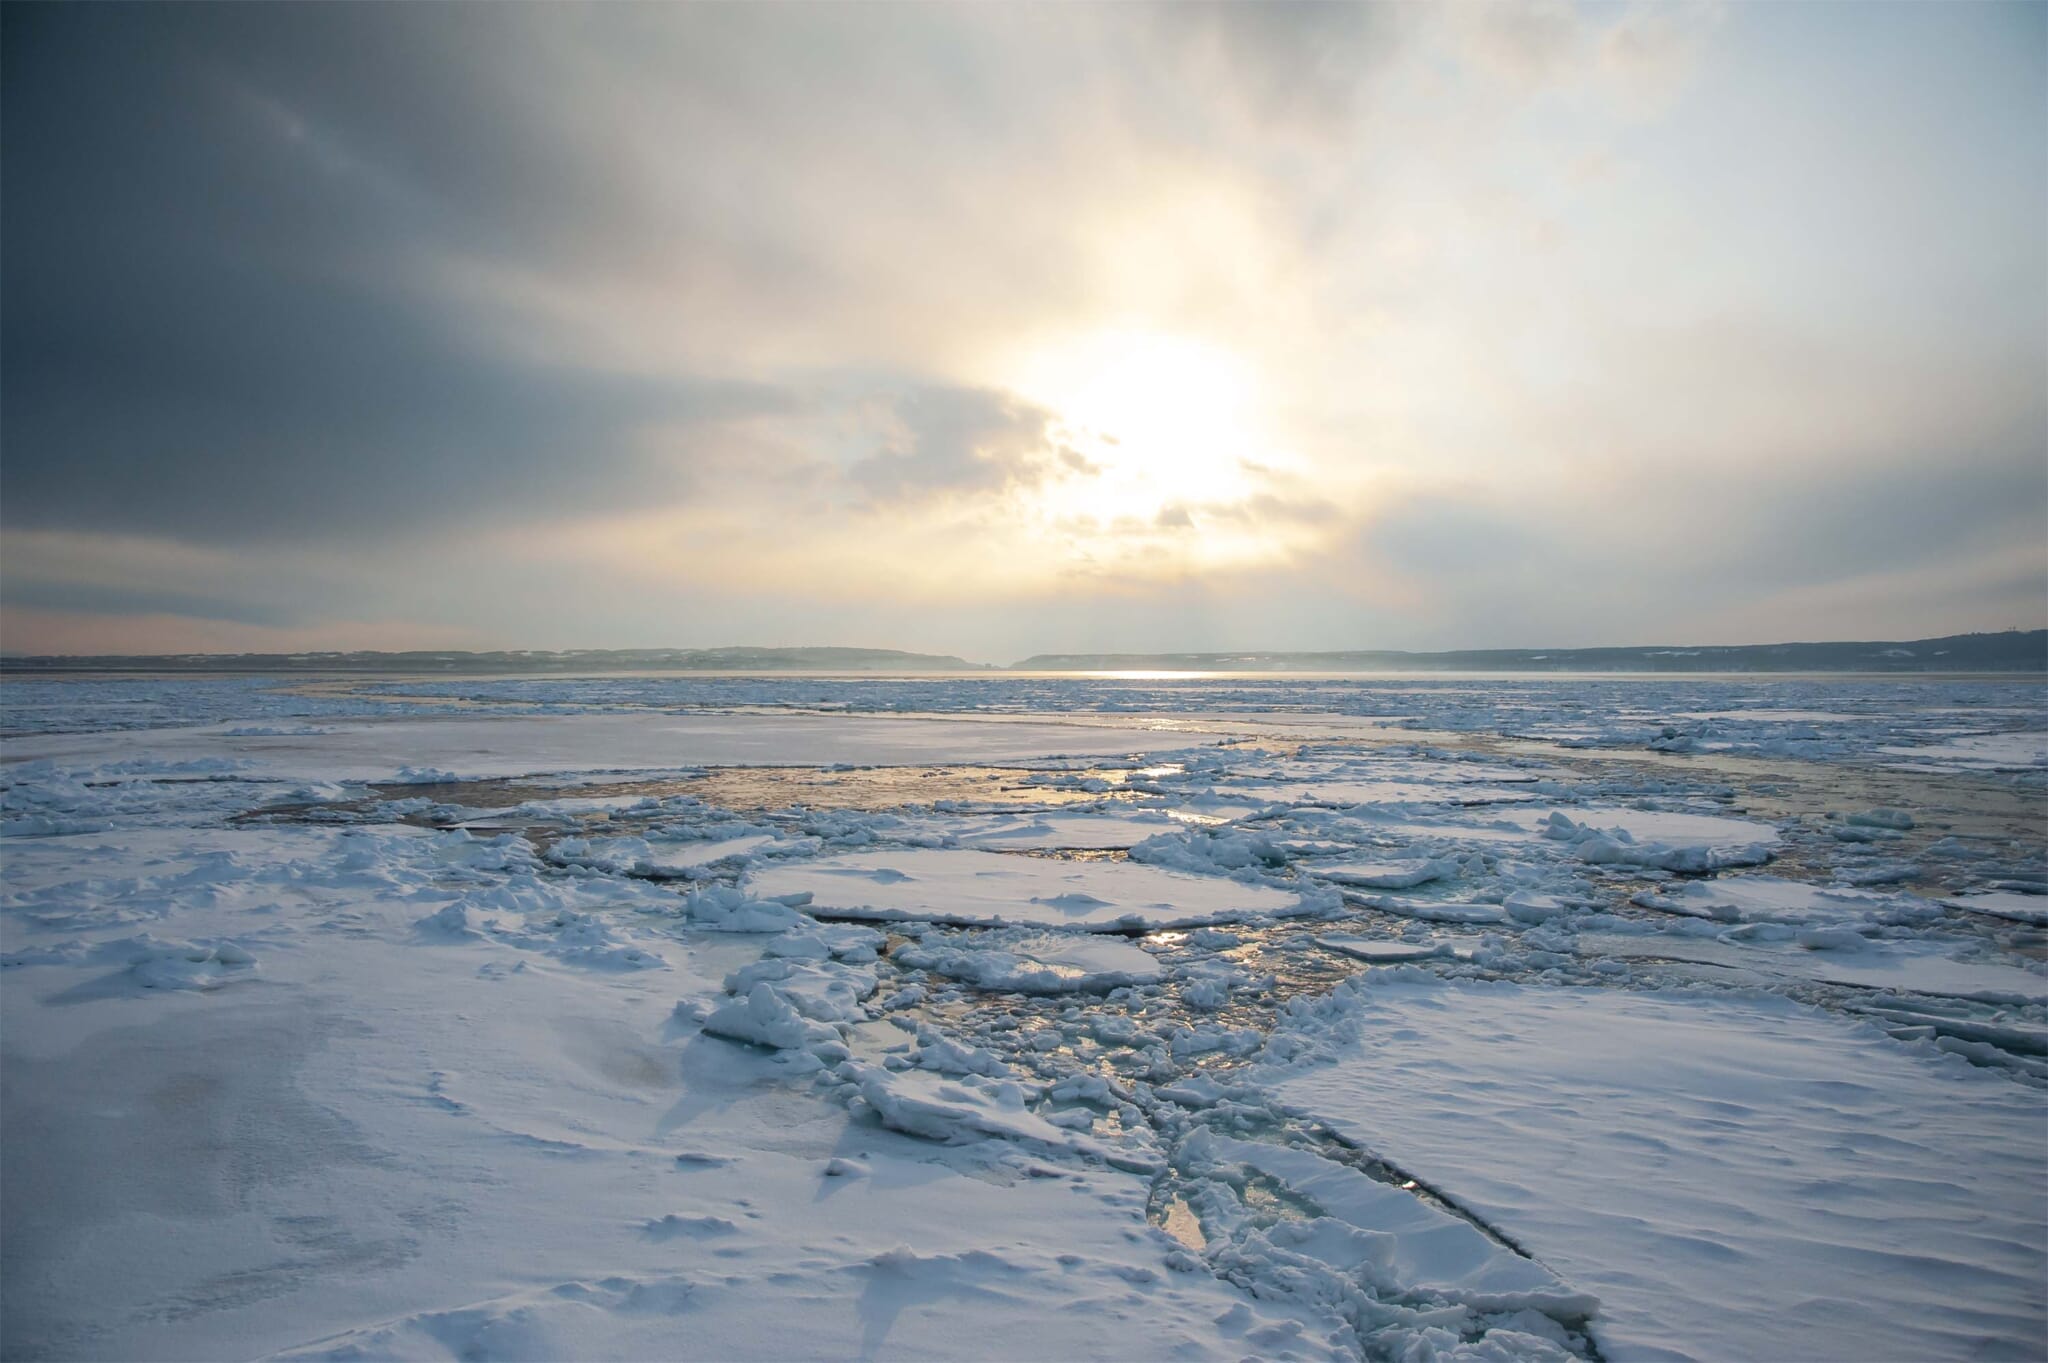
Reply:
x=998, y=329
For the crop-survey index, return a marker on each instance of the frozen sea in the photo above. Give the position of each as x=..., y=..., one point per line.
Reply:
x=1018, y=1017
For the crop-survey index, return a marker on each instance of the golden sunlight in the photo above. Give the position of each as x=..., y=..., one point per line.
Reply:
x=1158, y=426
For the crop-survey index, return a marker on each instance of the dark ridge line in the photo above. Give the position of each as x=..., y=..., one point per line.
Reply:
x=2013, y=650
x=2008, y=651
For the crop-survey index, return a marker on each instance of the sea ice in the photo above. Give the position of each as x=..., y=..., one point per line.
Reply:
x=2020, y=908
x=989, y=889
x=1765, y=898
x=1042, y=963
x=1061, y=831
x=1381, y=875
x=1733, y=1177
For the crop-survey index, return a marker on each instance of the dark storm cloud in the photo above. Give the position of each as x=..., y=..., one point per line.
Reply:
x=89, y=599
x=217, y=324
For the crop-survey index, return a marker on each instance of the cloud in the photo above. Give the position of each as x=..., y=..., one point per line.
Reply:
x=84, y=598
x=631, y=322
x=213, y=327
x=943, y=441
x=35, y=632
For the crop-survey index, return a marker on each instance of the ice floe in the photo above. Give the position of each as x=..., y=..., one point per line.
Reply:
x=1050, y=963
x=988, y=889
x=1730, y=1177
x=2021, y=908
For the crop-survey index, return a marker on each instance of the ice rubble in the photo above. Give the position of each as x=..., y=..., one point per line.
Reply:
x=673, y=859
x=1680, y=842
x=1047, y=963
x=1398, y=1243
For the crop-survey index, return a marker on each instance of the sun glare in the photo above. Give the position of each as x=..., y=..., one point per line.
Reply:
x=1157, y=426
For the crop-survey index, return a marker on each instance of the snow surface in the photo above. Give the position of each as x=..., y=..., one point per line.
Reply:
x=1729, y=1176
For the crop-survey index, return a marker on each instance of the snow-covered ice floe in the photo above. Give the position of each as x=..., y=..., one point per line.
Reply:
x=1119, y=830
x=1746, y=898
x=1838, y=955
x=1733, y=1178
x=988, y=889
x=1043, y=963
x=2021, y=908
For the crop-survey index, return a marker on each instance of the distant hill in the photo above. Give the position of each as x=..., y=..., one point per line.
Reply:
x=516, y=660
x=2011, y=651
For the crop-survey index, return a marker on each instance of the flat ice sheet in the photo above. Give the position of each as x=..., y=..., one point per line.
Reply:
x=1673, y=828
x=2020, y=908
x=1084, y=832
x=989, y=889
x=1977, y=752
x=1923, y=967
x=1350, y=792
x=1383, y=950
x=521, y=745
x=1769, y=898
x=1734, y=1179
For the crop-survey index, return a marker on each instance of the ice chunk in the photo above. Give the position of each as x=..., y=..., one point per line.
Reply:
x=961, y=1109
x=1895, y=819
x=724, y=908
x=1527, y=906
x=655, y=860
x=767, y=1017
x=1063, y=830
x=1385, y=951
x=1381, y=875
x=1048, y=963
x=2020, y=908
x=1399, y=1243
x=1765, y=898
x=1435, y=910
x=990, y=889
x=187, y=965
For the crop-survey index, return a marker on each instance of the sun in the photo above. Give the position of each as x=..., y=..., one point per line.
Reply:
x=1153, y=426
